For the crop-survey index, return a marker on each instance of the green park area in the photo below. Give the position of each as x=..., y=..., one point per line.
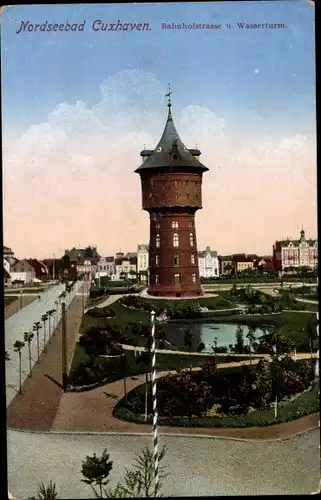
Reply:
x=224, y=397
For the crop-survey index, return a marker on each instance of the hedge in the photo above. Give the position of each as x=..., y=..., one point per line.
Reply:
x=306, y=403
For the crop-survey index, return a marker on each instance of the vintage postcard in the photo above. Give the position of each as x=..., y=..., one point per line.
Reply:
x=160, y=254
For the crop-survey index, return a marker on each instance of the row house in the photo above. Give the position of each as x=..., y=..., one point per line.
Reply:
x=106, y=266
x=291, y=254
x=208, y=264
x=226, y=265
x=143, y=262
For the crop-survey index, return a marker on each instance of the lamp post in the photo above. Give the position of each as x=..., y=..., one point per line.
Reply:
x=64, y=347
x=154, y=396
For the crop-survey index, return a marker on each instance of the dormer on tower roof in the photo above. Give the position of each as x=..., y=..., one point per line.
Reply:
x=170, y=152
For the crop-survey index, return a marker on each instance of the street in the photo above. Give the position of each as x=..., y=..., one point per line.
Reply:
x=196, y=466
x=22, y=322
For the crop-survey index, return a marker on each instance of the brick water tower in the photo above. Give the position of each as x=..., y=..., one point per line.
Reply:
x=171, y=179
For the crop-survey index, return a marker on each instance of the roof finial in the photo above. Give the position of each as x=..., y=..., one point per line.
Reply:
x=169, y=102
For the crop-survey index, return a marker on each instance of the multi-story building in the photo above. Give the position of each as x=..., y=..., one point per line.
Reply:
x=125, y=267
x=82, y=261
x=225, y=265
x=171, y=180
x=142, y=262
x=291, y=254
x=243, y=262
x=208, y=263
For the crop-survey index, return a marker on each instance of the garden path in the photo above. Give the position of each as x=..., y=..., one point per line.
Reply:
x=92, y=412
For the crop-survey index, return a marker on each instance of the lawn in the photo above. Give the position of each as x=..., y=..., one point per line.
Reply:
x=164, y=361
x=9, y=300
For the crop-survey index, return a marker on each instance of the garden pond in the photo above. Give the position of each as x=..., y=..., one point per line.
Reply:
x=225, y=333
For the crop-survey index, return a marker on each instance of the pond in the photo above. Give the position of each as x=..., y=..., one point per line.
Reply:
x=206, y=333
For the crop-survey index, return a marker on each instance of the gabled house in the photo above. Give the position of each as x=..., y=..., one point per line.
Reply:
x=22, y=271
x=6, y=278
x=41, y=270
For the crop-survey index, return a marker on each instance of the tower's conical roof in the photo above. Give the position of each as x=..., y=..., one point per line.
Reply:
x=170, y=151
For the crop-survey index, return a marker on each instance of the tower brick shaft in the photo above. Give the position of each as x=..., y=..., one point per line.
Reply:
x=171, y=180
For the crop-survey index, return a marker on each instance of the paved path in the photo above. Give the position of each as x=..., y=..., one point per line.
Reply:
x=22, y=322
x=92, y=411
x=307, y=301
x=196, y=466
x=110, y=300
x=36, y=408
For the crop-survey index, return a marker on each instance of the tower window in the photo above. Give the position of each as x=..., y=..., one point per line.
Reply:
x=177, y=278
x=175, y=224
x=157, y=260
x=156, y=279
x=191, y=239
x=157, y=225
x=175, y=240
x=190, y=224
x=157, y=241
x=176, y=260
x=175, y=183
x=194, y=277
x=192, y=259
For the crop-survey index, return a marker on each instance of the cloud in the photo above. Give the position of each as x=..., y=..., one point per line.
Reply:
x=71, y=178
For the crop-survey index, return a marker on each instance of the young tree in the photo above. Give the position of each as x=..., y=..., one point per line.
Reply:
x=214, y=346
x=18, y=345
x=44, y=318
x=139, y=479
x=251, y=338
x=46, y=492
x=200, y=347
x=28, y=336
x=124, y=369
x=96, y=471
x=189, y=341
x=36, y=327
x=239, y=345
x=49, y=314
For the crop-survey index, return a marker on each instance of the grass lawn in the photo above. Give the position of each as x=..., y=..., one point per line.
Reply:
x=163, y=362
x=9, y=300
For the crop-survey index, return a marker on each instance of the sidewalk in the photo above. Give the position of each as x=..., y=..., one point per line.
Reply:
x=36, y=408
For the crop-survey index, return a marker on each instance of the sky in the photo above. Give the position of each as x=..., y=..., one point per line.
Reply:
x=79, y=106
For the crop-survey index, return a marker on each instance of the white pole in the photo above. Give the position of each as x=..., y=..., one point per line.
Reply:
x=295, y=355
x=155, y=414
x=276, y=407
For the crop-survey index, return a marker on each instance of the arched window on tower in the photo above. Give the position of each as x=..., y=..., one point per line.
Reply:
x=191, y=239
x=157, y=225
x=157, y=260
x=157, y=241
x=194, y=277
x=174, y=224
x=175, y=240
x=176, y=260
x=190, y=224
x=192, y=259
x=156, y=279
